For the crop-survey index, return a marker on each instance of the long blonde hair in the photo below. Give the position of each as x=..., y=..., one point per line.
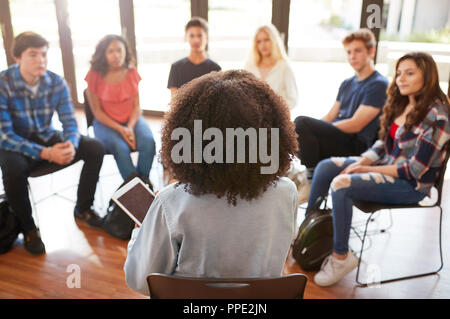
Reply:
x=278, y=50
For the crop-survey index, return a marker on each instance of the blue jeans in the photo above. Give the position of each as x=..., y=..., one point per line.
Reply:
x=345, y=188
x=116, y=145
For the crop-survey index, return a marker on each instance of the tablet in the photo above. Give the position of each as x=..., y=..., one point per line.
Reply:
x=134, y=198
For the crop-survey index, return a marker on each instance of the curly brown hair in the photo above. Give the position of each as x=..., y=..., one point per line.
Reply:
x=430, y=92
x=99, y=62
x=231, y=99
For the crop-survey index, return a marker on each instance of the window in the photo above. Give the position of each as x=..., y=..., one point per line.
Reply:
x=159, y=42
x=418, y=26
x=39, y=16
x=3, y=64
x=231, y=29
x=313, y=23
x=89, y=22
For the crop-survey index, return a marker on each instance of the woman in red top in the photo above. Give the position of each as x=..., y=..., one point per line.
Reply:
x=113, y=95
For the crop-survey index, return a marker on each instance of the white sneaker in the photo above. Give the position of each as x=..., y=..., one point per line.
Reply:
x=333, y=270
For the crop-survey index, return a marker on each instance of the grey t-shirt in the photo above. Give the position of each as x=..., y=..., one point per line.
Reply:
x=204, y=236
x=183, y=71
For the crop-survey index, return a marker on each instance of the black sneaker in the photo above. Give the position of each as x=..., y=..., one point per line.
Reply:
x=33, y=243
x=89, y=216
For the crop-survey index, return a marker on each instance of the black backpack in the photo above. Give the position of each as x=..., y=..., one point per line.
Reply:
x=9, y=226
x=314, y=241
x=116, y=222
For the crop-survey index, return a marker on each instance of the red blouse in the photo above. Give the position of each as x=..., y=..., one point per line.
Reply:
x=393, y=130
x=116, y=98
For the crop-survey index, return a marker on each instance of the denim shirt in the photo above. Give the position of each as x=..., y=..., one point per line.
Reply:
x=23, y=114
x=420, y=152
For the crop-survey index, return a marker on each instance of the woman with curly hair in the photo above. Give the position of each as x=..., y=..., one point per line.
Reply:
x=400, y=168
x=113, y=96
x=223, y=218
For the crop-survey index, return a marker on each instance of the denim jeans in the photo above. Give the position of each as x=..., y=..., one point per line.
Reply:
x=116, y=145
x=345, y=188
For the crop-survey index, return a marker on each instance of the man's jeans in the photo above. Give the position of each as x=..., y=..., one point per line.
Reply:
x=16, y=169
x=116, y=145
x=345, y=188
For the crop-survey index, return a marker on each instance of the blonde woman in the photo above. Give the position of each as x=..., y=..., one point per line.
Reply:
x=269, y=62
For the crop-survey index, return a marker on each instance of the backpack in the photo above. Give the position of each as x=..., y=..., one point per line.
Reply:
x=9, y=226
x=314, y=241
x=116, y=222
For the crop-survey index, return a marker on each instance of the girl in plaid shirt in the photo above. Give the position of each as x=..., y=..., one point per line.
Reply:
x=400, y=168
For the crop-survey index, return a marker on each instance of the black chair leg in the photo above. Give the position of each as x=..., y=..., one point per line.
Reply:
x=366, y=284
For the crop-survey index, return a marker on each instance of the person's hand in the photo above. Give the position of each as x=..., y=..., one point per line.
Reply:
x=356, y=168
x=62, y=153
x=128, y=135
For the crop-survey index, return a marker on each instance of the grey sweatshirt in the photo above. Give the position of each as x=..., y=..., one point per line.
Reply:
x=204, y=236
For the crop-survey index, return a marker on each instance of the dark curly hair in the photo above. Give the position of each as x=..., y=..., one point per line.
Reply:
x=99, y=62
x=231, y=99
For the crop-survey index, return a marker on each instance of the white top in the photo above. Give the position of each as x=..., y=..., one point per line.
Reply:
x=204, y=236
x=281, y=79
x=34, y=89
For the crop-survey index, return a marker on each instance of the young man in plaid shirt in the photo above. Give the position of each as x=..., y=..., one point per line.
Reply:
x=29, y=96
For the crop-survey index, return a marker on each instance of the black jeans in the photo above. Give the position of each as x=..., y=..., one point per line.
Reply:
x=16, y=169
x=318, y=140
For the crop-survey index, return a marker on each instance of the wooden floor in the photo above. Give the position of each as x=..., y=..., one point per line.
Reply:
x=74, y=248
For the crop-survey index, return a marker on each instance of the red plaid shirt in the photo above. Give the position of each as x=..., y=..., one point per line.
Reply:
x=420, y=152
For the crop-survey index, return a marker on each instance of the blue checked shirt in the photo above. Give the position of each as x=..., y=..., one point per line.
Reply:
x=22, y=114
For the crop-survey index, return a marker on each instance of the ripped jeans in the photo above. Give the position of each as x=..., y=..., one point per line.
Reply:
x=345, y=188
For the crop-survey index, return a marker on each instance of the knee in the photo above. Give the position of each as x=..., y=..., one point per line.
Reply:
x=92, y=147
x=341, y=182
x=97, y=148
x=147, y=144
x=326, y=165
x=14, y=165
x=119, y=148
x=299, y=120
x=338, y=161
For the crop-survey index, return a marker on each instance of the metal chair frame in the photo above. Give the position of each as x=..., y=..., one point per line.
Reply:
x=371, y=208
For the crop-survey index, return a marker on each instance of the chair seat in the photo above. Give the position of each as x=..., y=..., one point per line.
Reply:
x=370, y=207
x=45, y=168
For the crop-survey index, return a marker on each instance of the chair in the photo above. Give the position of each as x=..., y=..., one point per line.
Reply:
x=176, y=287
x=373, y=207
x=88, y=112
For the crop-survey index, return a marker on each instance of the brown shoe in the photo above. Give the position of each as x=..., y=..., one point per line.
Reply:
x=89, y=216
